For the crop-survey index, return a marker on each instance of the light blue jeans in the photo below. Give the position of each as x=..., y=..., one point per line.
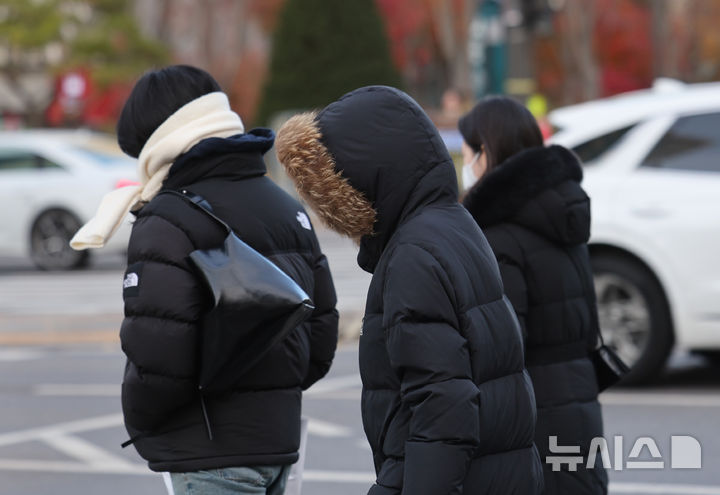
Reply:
x=258, y=480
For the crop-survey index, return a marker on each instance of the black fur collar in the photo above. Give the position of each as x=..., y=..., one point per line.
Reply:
x=507, y=188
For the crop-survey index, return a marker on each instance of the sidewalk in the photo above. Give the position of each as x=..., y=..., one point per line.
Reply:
x=85, y=306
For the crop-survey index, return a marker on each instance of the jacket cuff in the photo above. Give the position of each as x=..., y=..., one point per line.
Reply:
x=435, y=467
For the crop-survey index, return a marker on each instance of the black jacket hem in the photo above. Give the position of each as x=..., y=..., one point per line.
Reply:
x=189, y=465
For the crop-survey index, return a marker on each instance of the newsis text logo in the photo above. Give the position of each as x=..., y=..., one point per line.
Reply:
x=685, y=453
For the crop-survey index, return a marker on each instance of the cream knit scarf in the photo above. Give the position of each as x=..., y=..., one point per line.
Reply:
x=204, y=117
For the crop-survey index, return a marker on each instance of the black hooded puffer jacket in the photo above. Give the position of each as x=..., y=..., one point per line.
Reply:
x=258, y=421
x=446, y=404
x=537, y=219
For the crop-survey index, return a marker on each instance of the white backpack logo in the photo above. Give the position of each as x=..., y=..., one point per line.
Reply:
x=303, y=219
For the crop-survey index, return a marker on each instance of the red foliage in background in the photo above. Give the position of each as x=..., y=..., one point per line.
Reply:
x=104, y=107
x=428, y=41
x=267, y=11
x=623, y=45
x=621, y=58
x=97, y=107
x=407, y=23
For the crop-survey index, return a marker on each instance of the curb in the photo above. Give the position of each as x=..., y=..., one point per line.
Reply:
x=24, y=339
x=29, y=330
x=105, y=329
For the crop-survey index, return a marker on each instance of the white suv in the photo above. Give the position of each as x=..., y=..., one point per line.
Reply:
x=653, y=174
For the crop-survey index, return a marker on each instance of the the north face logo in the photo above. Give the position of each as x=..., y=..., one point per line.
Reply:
x=131, y=280
x=303, y=219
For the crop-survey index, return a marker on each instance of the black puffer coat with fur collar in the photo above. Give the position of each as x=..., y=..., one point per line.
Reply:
x=447, y=405
x=537, y=219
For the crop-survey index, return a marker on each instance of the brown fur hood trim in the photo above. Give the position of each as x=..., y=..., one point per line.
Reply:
x=311, y=166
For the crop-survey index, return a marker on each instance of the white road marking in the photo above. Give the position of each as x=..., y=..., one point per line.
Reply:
x=336, y=383
x=43, y=432
x=78, y=389
x=329, y=430
x=327, y=387
x=663, y=489
x=95, y=460
x=85, y=452
x=341, y=395
x=361, y=443
x=20, y=354
x=72, y=467
x=653, y=399
x=338, y=476
x=167, y=480
x=326, y=476
x=113, y=390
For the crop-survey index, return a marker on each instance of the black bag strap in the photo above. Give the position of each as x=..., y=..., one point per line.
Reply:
x=199, y=203
x=205, y=207
x=556, y=353
x=589, y=289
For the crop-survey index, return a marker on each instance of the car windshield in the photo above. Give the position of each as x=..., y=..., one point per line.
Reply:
x=591, y=150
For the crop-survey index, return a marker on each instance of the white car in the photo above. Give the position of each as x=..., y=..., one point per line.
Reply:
x=51, y=183
x=652, y=171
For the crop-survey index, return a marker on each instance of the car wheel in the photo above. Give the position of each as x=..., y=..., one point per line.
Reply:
x=50, y=241
x=634, y=316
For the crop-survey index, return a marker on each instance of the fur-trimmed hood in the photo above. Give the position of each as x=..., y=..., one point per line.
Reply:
x=366, y=163
x=538, y=188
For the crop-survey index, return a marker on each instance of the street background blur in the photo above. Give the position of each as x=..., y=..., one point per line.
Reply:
x=66, y=67
x=72, y=63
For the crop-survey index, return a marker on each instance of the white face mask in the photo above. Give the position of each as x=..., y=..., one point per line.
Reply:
x=468, y=174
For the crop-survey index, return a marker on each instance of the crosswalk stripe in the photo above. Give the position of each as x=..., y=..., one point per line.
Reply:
x=77, y=426
x=666, y=400
x=326, y=429
x=85, y=452
x=328, y=476
x=663, y=489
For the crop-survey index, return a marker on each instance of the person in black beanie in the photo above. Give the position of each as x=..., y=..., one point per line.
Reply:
x=447, y=405
x=528, y=200
x=179, y=125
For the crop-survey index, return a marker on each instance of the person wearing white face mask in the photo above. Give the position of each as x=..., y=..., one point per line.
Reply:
x=474, y=165
x=527, y=199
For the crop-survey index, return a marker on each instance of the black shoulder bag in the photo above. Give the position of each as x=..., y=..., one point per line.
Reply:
x=609, y=368
x=255, y=305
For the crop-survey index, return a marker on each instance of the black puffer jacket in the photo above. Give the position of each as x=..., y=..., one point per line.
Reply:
x=446, y=404
x=258, y=422
x=537, y=220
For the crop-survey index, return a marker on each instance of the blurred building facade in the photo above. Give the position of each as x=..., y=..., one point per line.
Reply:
x=448, y=52
x=231, y=39
x=69, y=62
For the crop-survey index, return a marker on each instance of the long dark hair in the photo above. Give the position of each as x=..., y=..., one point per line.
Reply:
x=156, y=96
x=500, y=126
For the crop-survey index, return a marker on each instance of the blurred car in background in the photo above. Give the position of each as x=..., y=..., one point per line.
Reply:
x=51, y=182
x=653, y=174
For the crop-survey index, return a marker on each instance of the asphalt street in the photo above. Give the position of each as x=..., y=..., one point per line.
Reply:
x=61, y=428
